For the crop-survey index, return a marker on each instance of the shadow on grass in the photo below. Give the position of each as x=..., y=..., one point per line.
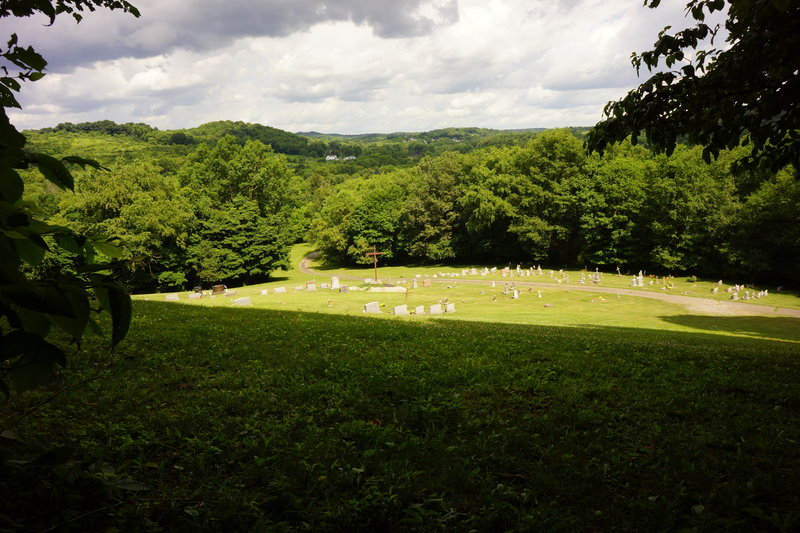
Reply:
x=783, y=328
x=746, y=332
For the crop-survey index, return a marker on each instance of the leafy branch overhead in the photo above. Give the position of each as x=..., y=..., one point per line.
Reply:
x=742, y=93
x=33, y=307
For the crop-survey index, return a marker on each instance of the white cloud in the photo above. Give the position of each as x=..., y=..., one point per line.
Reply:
x=347, y=66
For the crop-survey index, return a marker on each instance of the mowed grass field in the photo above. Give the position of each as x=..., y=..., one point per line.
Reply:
x=302, y=414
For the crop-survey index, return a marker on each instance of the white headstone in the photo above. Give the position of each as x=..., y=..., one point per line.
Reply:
x=311, y=286
x=515, y=295
x=264, y=292
x=473, y=271
x=335, y=283
x=344, y=289
x=171, y=297
x=324, y=286
x=245, y=300
x=195, y=296
x=280, y=290
x=450, y=308
x=372, y=307
x=436, y=309
x=419, y=310
x=400, y=310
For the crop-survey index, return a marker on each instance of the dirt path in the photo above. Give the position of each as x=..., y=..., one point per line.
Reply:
x=691, y=303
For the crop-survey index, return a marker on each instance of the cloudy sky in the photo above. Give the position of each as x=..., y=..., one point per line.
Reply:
x=341, y=66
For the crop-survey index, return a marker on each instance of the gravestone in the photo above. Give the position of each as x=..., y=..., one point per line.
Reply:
x=264, y=292
x=195, y=296
x=426, y=283
x=324, y=286
x=515, y=294
x=300, y=288
x=493, y=284
x=171, y=297
x=473, y=271
x=335, y=283
x=245, y=300
x=436, y=309
x=450, y=308
x=230, y=293
x=280, y=290
x=372, y=308
x=311, y=286
x=401, y=310
x=414, y=283
x=218, y=289
x=344, y=289
x=419, y=310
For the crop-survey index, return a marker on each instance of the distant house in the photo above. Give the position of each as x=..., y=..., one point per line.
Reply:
x=331, y=157
x=349, y=157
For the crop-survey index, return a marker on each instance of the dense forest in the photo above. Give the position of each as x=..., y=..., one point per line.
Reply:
x=222, y=202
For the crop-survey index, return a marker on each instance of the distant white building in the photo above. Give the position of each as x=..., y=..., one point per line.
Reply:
x=349, y=157
x=331, y=157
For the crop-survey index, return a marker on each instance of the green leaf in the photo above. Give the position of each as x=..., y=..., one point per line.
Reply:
x=79, y=302
x=83, y=163
x=54, y=171
x=108, y=249
x=118, y=303
x=69, y=243
x=34, y=367
x=30, y=250
x=34, y=322
x=11, y=185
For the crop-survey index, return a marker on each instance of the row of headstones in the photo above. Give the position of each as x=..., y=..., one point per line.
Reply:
x=750, y=295
x=402, y=310
x=198, y=295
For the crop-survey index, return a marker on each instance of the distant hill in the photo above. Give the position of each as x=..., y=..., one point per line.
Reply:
x=106, y=140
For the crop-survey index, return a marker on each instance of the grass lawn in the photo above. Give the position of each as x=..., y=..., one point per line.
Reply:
x=623, y=415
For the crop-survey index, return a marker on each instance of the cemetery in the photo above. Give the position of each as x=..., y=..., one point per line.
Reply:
x=531, y=295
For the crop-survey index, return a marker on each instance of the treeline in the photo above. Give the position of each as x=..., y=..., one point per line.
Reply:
x=369, y=151
x=549, y=202
x=228, y=214
x=228, y=211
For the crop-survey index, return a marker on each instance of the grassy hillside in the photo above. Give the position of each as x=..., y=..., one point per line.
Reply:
x=104, y=148
x=210, y=416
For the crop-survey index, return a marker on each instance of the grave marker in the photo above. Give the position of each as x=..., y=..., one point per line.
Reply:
x=401, y=310
x=245, y=300
x=372, y=308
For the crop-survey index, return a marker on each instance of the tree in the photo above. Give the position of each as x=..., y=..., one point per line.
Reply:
x=746, y=93
x=144, y=209
x=245, y=202
x=30, y=308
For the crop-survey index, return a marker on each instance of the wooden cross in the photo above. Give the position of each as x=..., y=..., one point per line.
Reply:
x=375, y=253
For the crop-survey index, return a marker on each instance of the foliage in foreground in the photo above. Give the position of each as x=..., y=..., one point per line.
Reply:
x=253, y=419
